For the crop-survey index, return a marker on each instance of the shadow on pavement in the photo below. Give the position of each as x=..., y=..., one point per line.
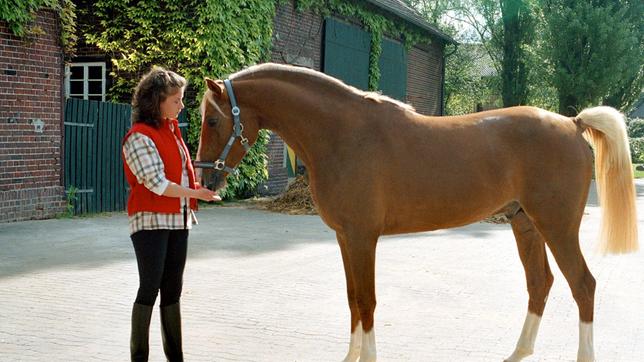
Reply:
x=90, y=242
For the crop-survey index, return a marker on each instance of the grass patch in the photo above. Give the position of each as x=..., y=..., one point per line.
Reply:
x=638, y=174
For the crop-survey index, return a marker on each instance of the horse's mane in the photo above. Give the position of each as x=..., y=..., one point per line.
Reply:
x=256, y=70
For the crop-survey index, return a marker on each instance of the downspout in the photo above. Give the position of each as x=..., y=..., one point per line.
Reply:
x=445, y=56
x=63, y=136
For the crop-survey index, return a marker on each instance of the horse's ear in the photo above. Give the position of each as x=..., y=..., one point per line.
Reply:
x=216, y=86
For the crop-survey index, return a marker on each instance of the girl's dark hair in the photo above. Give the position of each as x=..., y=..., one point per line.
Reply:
x=153, y=88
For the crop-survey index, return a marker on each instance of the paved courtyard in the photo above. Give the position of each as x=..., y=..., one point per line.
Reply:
x=262, y=286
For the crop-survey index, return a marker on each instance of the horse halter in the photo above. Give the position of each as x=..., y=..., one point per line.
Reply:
x=220, y=164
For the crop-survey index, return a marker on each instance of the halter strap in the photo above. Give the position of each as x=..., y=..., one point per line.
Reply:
x=238, y=128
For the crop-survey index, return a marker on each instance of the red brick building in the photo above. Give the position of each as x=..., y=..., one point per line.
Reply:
x=33, y=85
x=31, y=106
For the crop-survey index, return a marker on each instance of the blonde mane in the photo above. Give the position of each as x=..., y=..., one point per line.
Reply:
x=272, y=67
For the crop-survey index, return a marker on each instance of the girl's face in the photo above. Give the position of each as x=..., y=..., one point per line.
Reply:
x=172, y=105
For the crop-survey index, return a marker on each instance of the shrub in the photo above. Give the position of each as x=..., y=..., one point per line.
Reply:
x=637, y=149
x=636, y=128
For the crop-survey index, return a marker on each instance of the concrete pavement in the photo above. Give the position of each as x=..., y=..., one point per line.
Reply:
x=261, y=286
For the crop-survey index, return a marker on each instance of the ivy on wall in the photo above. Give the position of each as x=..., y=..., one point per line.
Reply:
x=194, y=38
x=377, y=24
x=20, y=14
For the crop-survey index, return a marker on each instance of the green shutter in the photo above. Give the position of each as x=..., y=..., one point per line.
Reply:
x=346, y=53
x=393, y=69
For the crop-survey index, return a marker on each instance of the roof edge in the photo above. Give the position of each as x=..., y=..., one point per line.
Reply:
x=423, y=24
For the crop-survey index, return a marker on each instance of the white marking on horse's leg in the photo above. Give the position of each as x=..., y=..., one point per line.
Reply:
x=354, y=344
x=368, y=350
x=586, y=351
x=525, y=345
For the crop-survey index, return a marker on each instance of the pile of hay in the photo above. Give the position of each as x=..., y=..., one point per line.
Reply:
x=296, y=200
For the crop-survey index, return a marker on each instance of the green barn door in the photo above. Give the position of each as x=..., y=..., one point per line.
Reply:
x=346, y=53
x=393, y=70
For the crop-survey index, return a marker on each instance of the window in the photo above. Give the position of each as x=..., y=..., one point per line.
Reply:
x=85, y=81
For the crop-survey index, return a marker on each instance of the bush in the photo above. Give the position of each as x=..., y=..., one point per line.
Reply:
x=637, y=149
x=636, y=128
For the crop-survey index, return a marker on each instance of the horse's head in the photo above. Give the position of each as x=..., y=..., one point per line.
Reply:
x=218, y=130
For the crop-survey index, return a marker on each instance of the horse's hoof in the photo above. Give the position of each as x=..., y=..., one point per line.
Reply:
x=369, y=358
x=518, y=355
x=352, y=356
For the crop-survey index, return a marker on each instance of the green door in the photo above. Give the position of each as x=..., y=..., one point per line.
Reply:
x=393, y=69
x=346, y=53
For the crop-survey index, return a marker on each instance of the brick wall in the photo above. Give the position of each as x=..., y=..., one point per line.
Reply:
x=297, y=39
x=30, y=90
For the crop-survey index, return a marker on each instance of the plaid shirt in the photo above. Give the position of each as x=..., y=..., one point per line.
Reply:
x=145, y=163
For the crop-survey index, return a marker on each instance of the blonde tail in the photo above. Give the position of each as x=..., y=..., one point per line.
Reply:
x=614, y=175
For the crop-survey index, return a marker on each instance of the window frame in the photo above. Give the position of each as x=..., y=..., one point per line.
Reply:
x=86, y=79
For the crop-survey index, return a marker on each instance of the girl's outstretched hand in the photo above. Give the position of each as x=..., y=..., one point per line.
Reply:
x=207, y=195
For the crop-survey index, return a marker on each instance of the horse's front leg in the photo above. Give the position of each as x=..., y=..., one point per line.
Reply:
x=355, y=342
x=358, y=254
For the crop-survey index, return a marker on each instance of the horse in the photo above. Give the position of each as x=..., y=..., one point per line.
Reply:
x=376, y=167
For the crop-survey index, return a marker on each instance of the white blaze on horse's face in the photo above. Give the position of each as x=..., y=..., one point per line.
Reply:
x=213, y=128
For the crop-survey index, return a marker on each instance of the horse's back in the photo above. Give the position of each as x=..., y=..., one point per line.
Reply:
x=469, y=167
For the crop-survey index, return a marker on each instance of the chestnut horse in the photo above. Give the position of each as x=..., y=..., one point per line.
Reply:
x=377, y=167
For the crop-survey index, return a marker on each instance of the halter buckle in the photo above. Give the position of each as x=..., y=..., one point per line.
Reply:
x=219, y=165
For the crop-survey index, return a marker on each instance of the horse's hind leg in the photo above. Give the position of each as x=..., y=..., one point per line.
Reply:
x=582, y=284
x=560, y=228
x=532, y=251
x=355, y=342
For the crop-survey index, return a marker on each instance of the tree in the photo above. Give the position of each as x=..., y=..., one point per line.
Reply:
x=518, y=27
x=596, y=50
x=504, y=28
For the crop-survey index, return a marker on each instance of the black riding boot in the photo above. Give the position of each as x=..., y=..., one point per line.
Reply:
x=171, y=332
x=139, y=348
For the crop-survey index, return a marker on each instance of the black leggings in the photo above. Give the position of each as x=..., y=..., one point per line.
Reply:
x=161, y=257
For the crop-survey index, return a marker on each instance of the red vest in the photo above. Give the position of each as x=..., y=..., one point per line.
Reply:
x=142, y=199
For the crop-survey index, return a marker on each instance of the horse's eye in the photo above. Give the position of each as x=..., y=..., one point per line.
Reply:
x=212, y=121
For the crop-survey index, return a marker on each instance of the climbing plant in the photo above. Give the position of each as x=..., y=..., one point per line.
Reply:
x=20, y=14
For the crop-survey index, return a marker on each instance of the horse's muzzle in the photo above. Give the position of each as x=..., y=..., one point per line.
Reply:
x=214, y=179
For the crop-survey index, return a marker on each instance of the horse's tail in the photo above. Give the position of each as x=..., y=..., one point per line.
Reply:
x=614, y=174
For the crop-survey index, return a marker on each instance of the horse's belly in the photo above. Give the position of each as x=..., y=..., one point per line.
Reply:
x=435, y=216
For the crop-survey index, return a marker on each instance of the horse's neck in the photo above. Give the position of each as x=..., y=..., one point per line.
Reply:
x=296, y=115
